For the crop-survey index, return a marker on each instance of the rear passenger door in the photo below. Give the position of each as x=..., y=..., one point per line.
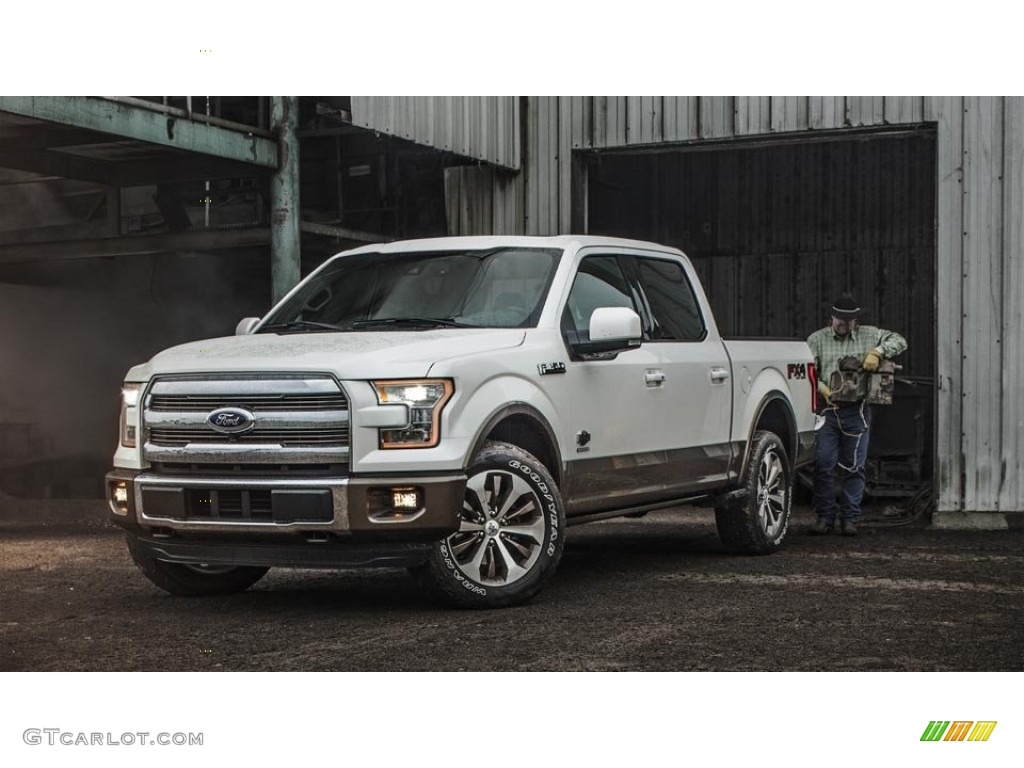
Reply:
x=696, y=368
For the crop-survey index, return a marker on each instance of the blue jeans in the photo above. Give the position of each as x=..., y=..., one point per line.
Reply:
x=842, y=442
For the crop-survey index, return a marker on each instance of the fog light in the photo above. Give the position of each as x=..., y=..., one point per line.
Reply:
x=395, y=504
x=405, y=499
x=119, y=497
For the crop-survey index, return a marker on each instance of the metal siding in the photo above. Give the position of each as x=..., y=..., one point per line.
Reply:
x=1011, y=492
x=903, y=109
x=947, y=112
x=789, y=113
x=611, y=126
x=542, y=193
x=649, y=113
x=681, y=118
x=753, y=115
x=582, y=118
x=533, y=182
x=468, y=199
x=717, y=118
x=508, y=204
x=983, y=198
x=599, y=124
x=825, y=112
x=865, y=110
x=634, y=120
x=564, y=166
x=549, y=168
x=459, y=124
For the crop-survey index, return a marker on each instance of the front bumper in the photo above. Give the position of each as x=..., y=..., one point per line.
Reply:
x=301, y=508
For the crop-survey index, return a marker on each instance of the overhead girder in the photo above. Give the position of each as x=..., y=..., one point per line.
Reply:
x=133, y=121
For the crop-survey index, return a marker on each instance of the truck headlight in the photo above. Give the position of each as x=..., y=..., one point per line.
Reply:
x=425, y=399
x=129, y=414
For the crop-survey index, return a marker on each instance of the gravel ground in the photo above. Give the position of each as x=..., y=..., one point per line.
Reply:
x=657, y=593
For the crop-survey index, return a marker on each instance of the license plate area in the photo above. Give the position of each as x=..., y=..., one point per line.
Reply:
x=239, y=505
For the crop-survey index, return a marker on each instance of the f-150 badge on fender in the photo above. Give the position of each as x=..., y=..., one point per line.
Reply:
x=546, y=369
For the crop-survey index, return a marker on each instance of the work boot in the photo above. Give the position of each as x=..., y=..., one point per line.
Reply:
x=821, y=527
x=847, y=528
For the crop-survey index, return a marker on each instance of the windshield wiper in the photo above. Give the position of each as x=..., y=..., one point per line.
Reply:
x=295, y=325
x=442, y=322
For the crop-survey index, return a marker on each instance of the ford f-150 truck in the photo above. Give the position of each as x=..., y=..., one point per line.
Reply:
x=451, y=405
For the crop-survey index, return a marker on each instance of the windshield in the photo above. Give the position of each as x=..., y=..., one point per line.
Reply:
x=497, y=288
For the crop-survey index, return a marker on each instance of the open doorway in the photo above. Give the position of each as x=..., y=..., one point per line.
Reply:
x=778, y=229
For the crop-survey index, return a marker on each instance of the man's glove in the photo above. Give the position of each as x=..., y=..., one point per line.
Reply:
x=871, y=360
x=825, y=391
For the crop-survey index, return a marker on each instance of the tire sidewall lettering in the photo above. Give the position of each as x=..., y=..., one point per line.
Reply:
x=549, y=499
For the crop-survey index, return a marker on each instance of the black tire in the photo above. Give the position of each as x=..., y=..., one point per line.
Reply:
x=512, y=536
x=757, y=524
x=192, y=580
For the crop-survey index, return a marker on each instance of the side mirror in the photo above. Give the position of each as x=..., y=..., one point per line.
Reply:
x=245, y=326
x=612, y=330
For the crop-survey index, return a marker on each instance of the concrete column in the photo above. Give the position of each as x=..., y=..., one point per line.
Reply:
x=285, y=257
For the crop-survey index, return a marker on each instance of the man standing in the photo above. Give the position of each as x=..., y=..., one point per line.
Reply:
x=842, y=441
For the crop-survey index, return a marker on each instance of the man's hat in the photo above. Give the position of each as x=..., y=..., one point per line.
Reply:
x=845, y=308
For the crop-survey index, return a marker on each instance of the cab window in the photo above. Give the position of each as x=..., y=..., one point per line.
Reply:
x=599, y=282
x=671, y=309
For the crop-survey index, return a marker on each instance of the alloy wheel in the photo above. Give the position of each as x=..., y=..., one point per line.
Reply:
x=502, y=529
x=771, y=494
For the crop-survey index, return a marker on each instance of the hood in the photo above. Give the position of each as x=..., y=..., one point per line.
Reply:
x=360, y=355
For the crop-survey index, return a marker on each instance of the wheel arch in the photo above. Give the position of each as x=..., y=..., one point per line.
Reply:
x=775, y=414
x=524, y=426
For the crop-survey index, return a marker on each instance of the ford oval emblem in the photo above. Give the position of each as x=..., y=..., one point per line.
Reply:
x=231, y=421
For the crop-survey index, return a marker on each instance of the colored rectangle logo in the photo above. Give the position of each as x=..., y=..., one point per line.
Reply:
x=958, y=730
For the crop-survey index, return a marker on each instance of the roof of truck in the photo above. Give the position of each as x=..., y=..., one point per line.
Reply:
x=510, y=241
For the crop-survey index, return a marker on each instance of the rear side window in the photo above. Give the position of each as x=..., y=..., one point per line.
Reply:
x=670, y=301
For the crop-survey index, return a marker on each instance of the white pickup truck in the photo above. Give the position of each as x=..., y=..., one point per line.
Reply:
x=452, y=405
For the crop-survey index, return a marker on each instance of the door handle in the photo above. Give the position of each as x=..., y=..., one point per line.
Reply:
x=654, y=378
x=719, y=374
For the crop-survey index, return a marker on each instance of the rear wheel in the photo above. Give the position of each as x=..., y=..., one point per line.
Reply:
x=757, y=524
x=510, y=537
x=192, y=580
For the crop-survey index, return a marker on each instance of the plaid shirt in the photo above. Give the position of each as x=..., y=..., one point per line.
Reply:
x=828, y=348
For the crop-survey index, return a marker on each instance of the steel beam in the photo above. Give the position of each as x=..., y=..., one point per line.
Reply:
x=285, y=256
x=131, y=121
x=200, y=240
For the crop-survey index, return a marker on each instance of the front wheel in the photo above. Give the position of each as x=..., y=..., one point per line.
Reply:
x=192, y=580
x=757, y=524
x=510, y=537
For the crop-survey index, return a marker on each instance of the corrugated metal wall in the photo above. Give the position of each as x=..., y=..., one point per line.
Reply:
x=979, y=237
x=480, y=127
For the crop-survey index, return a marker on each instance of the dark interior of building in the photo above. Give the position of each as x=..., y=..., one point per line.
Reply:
x=111, y=250
x=777, y=231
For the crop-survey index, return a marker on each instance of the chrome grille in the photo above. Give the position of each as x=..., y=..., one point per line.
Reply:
x=192, y=403
x=278, y=436
x=298, y=419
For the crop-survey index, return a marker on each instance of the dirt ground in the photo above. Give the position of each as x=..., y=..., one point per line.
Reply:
x=657, y=593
